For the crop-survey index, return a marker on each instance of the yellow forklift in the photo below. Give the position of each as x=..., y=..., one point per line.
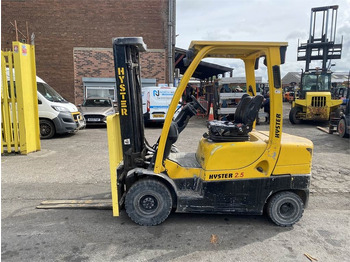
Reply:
x=236, y=169
x=314, y=100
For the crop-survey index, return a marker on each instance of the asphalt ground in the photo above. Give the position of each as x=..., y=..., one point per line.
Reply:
x=77, y=167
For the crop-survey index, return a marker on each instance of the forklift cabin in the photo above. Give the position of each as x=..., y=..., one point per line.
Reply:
x=314, y=101
x=235, y=169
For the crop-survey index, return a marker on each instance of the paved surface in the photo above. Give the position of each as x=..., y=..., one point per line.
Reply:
x=76, y=167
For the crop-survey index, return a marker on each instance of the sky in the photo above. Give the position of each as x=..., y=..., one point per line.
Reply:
x=259, y=20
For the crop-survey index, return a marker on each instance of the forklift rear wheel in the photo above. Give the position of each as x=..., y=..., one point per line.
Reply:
x=342, y=128
x=148, y=202
x=293, y=115
x=47, y=129
x=285, y=209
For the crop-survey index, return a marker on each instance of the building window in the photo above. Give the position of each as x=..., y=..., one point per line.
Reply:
x=106, y=87
x=100, y=91
x=99, y=87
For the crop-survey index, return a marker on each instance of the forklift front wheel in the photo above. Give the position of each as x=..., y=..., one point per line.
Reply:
x=285, y=208
x=293, y=115
x=148, y=202
x=342, y=128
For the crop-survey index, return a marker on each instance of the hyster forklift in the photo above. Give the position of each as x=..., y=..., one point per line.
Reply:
x=314, y=101
x=235, y=170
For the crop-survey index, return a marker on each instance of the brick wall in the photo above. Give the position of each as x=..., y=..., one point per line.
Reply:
x=98, y=62
x=61, y=25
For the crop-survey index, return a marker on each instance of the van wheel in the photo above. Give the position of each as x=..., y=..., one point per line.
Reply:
x=285, y=208
x=148, y=202
x=293, y=115
x=47, y=129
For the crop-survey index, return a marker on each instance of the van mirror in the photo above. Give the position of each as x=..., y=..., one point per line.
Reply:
x=39, y=102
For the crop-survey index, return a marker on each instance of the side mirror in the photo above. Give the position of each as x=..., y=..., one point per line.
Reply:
x=39, y=102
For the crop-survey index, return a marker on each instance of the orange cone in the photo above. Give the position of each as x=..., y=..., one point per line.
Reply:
x=211, y=114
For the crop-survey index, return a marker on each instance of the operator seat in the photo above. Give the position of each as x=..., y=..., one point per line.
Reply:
x=241, y=107
x=177, y=126
x=238, y=130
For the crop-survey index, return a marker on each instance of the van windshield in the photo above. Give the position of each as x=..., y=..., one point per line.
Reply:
x=49, y=93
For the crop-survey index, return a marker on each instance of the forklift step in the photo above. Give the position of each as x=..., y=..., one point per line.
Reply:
x=189, y=194
x=188, y=160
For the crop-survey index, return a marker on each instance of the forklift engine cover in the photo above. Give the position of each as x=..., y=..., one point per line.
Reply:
x=236, y=168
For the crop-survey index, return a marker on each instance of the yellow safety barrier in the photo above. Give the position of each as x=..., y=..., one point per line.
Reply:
x=19, y=100
x=115, y=156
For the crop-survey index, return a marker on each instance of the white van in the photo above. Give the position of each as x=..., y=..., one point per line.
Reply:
x=56, y=115
x=155, y=102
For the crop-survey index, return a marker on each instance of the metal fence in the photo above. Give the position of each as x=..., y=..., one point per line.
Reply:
x=19, y=101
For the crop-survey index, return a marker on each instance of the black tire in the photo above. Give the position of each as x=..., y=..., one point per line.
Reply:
x=293, y=115
x=285, y=208
x=342, y=128
x=47, y=129
x=148, y=202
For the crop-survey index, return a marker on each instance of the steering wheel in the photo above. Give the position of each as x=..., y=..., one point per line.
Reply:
x=198, y=105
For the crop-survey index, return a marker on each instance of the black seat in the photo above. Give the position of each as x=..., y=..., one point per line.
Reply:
x=250, y=113
x=177, y=126
x=238, y=130
x=241, y=107
x=171, y=139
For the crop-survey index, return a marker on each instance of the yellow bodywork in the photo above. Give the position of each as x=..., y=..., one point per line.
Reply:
x=317, y=105
x=230, y=155
x=176, y=171
x=295, y=156
x=245, y=160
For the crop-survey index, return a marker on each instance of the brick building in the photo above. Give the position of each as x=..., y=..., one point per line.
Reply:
x=94, y=71
x=73, y=39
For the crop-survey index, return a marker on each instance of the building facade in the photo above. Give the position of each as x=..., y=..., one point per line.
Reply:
x=73, y=39
x=94, y=71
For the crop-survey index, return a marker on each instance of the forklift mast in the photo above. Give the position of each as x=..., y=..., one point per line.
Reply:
x=321, y=44
x=127, y=70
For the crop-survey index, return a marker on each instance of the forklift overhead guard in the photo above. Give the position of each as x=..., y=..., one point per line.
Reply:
x=131, y=41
